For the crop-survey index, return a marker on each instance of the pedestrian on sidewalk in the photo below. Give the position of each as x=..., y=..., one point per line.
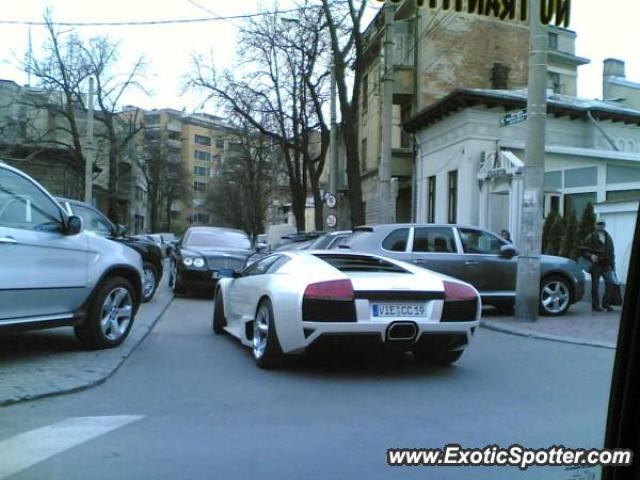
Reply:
x=598, y=247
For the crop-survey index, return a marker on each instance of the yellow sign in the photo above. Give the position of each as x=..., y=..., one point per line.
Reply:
x=551, y=11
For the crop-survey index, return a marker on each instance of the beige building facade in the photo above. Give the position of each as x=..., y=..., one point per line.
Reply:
x=434, y=52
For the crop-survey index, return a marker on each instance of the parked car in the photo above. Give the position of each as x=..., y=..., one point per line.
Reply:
x=330, y=240
x=288, y=302
x=293, y=238
x=202, y=252
x=96, y=222
x=473, y=255
x=54, y=274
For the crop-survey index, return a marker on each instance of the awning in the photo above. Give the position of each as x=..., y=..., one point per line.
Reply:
x=500, y=164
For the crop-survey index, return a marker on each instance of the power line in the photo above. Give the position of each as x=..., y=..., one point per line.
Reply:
x=152, y=22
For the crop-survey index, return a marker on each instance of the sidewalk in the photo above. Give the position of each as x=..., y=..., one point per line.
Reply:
x=579, y=326
x=51, y=362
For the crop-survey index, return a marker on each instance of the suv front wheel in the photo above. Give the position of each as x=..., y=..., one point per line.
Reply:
x=110, y=315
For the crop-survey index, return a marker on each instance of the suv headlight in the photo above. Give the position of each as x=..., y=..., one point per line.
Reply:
x=198, y=262
x=188, y=261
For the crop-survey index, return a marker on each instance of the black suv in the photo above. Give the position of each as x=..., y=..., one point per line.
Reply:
x=95, y=221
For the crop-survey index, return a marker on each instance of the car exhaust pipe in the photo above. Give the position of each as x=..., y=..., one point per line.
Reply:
x=402, y=332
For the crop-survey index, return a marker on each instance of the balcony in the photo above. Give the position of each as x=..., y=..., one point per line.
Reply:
x=401, y=162
x=173, y=144
x=404, y=84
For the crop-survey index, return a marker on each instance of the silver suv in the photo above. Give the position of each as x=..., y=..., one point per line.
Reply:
x=52, y=274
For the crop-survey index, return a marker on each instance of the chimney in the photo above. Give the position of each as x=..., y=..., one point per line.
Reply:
x=614, y=68
x=500, y=76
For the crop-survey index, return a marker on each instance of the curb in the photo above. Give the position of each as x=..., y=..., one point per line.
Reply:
x=543, y=336
x=132, y=345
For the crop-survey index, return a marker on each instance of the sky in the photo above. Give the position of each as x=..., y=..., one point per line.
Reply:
x=603, y=32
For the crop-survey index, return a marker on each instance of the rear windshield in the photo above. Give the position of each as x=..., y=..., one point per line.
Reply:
x=360, y=263
x=234, y=240
x=354, y=237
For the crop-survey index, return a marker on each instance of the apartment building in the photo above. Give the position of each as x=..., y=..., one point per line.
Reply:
x=434, y=52
x=198, y=144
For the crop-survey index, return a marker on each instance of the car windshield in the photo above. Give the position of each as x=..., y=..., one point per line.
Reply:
x=221, y=239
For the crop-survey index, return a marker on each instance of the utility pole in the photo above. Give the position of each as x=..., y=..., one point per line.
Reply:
x=333, y=145
x=384, y=170
x=90, y=149
x=530, y=237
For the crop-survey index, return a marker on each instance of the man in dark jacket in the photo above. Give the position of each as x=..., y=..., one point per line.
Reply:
x=598, y=247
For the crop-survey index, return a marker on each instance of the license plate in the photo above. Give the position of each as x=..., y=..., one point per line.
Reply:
x=398, y=310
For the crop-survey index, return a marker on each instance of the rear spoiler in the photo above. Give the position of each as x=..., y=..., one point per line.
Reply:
x=363, y=229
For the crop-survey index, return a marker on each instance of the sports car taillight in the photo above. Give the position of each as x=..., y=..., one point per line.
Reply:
x=334, y=290
x=460, y=303
x=331, y=301
x=454, y=291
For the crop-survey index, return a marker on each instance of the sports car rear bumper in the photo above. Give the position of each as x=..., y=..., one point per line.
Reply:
x=458, y=333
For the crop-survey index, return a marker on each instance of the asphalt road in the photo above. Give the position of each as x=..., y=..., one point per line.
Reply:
x=192, y=405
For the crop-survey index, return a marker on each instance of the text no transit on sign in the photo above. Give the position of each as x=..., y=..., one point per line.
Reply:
x=512, y=118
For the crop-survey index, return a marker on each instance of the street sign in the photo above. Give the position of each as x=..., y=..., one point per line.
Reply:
x=512, y=118
x=330, y=200
x=331, y=220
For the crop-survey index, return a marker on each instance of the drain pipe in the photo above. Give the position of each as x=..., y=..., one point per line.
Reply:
x=601, y=130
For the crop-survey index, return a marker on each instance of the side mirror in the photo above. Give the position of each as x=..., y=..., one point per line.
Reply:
x=508, y=251
x=73, y=226
x=227, y=273
x=121, y=230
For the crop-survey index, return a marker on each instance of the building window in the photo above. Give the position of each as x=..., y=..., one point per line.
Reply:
x=202, y=155
x=554, y=82
x=622, y=174
x=220, y=143
x=199, y=186
x=581, y=177
x=623, y=195
x=431, y=199
x=452, y=214
x=363, y=155
x=365, y=94
x=202, y=171
x=577, y=202
x=553, y=41
x=202, y=140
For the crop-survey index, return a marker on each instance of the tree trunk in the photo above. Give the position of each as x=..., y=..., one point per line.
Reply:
x=354, y=179
x=317, y=201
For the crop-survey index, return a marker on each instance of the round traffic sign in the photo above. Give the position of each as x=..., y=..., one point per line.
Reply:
x=330, y=200
x=331, y=220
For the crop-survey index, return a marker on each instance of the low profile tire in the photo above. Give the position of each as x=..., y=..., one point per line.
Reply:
x=555, y=296
x=219, y=321
x=110, y=315
x=436, y=357
x=176, y=284
x=149, y=282
x=266, y=349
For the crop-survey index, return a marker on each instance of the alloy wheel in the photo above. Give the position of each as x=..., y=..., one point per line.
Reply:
x=116, y=313
x=261, y=331
x=555, y=297
x=148, y=282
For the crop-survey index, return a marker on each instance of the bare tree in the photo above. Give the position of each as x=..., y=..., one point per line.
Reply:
x=101, y=57
x=239, y=192
x=344, y=22
x=280, y=96
x=60, y=73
